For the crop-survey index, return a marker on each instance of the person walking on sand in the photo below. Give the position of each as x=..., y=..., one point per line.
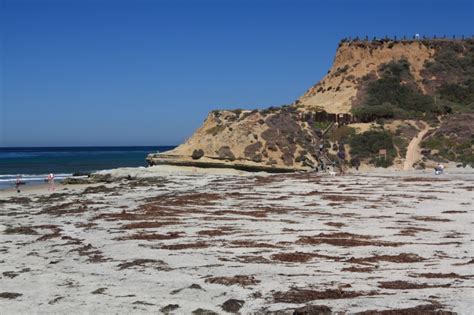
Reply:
x=51, y=182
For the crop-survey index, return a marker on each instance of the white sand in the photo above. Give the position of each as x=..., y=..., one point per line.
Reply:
x=257, y=217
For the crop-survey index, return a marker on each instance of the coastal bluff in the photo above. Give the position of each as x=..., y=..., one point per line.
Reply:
x=377, y=97
x=272, y=140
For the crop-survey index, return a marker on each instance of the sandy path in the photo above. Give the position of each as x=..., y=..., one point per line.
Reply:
x=413, y=150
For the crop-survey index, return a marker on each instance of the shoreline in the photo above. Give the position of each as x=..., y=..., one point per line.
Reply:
x=170, y=170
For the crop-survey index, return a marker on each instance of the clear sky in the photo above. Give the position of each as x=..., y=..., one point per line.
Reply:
x=143, y=72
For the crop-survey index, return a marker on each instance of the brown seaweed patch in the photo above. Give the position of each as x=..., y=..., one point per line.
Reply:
x=405, y=285
x=242, y=280
x=297, y=296
x=400, y=258
x=10, y=274
x=98, y=189
x=335, y=224
x=343, y=198
x=84, y=225
x=10, y=295
x=220, y=231
x=412, y=231
x=99, y=291
x=251, y=244
x=123, y=216
x=142, y=303
x=466, y=263
x=65, y=208
x=148, y=212
x=430, y=219
x=425, y=179
x=358, y=269
x=17, y=200
x=264, y=180
x=249, y=259
x=430, y=275
x=144, y=263
x=454, y=211
x=148, y=224
x=55, y=300
x=425, y=309
x=26, y=230
x=345, y=240
x=191, y=199
x=94, y=255
x=56, y=233
x=251, y=213
x=293, y=257
x=186, y=246
x=151, y=236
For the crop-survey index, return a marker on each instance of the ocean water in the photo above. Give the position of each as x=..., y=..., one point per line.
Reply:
x=33, y=164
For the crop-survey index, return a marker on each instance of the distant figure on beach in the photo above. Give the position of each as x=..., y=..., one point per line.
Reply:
x=439, y=169
x=51, y=182
x=18, y=183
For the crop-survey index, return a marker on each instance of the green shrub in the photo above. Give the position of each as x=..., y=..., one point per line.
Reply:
x=458, y=93
x=402, y=145
x=453, y=66
x=388, y=98
x=396, y=69
x=367, y=145
x=322, y=125
x=343, y=133
x=383, y=162
x=373, y=112
x=450, y=149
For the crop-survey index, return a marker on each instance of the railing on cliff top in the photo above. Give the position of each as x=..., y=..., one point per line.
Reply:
x=416, y=37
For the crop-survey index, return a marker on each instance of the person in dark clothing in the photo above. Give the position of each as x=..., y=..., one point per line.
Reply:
x=18, y=183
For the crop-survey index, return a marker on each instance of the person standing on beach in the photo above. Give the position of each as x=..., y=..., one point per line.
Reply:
x=51, y=182
x=18, y=183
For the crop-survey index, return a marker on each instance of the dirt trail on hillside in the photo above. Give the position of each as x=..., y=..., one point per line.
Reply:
x=413, y=150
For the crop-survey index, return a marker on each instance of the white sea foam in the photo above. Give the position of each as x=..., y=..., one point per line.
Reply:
x=6, y=179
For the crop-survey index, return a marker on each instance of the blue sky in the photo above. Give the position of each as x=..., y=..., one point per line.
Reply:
x=147, y=72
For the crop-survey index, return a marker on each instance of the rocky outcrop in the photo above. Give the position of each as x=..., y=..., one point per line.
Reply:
x=271, y=140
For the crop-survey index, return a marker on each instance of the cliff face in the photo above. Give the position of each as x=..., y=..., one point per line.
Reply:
x=370, y=80
x=337, y=91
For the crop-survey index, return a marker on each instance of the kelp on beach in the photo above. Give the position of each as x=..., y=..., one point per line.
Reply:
x=214, y=242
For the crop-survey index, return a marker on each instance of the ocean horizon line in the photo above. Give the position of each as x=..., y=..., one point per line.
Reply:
x=87, y=146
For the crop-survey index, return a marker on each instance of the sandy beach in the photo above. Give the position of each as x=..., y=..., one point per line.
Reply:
x=185, y=240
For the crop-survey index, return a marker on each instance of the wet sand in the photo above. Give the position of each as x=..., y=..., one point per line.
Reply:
x=197, y=241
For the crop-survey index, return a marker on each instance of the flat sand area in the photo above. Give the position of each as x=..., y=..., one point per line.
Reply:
x=183, y=242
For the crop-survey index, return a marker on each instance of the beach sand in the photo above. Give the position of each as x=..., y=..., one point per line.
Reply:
x=185, y=240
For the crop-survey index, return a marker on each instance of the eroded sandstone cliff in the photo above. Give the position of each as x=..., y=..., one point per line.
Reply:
x=273, y=139
x=337, y=91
